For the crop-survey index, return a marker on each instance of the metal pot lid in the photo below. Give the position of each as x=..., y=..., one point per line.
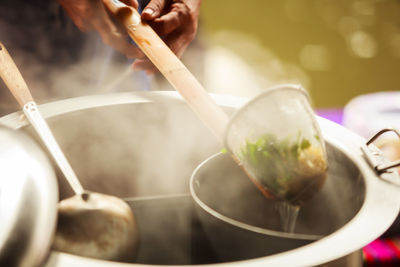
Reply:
x=28, y=200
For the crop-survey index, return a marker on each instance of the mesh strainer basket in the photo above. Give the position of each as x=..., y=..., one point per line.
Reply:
x=278, y=141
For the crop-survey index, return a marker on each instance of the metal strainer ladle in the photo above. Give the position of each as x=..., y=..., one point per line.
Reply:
x=281, y=113
x=278, y=141
x=88, y=221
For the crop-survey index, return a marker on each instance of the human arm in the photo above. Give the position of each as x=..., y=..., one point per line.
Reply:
x=174, y=20
x=92, y=15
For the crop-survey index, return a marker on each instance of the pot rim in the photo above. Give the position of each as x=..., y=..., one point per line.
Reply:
x=382, y=201
x=237, y=223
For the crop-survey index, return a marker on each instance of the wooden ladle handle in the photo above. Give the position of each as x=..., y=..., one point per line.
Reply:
x=171, y=67
x=16, y=84
x=13, y=78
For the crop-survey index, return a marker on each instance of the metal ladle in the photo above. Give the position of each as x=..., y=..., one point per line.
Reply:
x=88, y=221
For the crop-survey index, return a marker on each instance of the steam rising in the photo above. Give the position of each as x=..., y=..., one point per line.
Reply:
x=141, y=150
x=224, y=188
x=56, y=59
x=135, y=150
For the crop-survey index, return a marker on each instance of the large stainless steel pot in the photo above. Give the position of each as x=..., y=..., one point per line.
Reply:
x=146, y=145
x=28, y=201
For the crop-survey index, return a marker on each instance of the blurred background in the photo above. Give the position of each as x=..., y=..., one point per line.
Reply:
x=337, y=49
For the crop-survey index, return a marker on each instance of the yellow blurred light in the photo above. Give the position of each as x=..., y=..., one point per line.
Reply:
x=363, y=45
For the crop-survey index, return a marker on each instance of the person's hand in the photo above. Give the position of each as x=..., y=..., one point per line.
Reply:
x=175, y=21
x=92, y=15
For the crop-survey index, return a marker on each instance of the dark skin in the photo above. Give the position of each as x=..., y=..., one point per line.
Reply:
x=175, y=20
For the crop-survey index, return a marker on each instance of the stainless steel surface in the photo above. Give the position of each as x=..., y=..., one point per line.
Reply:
x=33, y=115
x=375, y=157
x=280, y=116
x=107, y=219
x=28, y=201
x=96, y=226
x=118, y=229
x=141, y=164
x=241, y=223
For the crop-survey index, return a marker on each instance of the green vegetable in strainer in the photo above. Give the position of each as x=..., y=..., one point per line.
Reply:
x=290, y=170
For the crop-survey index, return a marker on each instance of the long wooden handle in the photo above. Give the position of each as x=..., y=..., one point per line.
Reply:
x=16, y=84
x=13, y=78
x=176, y=73
x=171, y=67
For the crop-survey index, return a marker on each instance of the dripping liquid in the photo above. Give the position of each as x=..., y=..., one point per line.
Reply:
x=288, y=214
x=289, y=210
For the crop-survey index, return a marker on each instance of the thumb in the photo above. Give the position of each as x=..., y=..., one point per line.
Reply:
x=153, y=9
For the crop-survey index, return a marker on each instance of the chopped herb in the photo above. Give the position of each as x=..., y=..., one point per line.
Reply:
x=305, y=144
x=284, y=167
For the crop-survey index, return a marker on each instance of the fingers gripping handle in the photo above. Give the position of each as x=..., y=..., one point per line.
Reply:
x=13, y=78
x=171, y=67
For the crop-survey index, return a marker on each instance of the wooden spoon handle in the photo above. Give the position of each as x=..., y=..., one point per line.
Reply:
x=13, y=78
x=171, y=67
